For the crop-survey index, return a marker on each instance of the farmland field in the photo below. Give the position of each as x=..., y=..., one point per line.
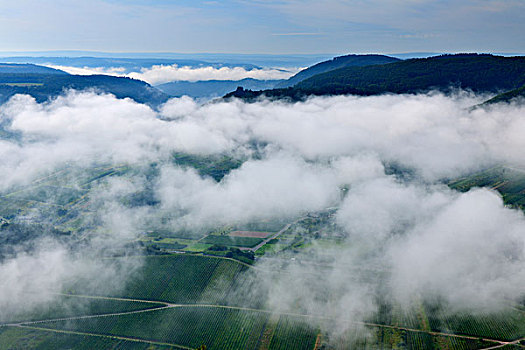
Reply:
x=183, y=279
x=191, y=299
x=70, y=306
x=15, y=338
x=256, y=234
x=201, y=313
x=508, y=181
x=233, y=241
x=217, y=328
x=508, y=325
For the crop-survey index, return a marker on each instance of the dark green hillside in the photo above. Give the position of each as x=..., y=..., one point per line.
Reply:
x=467, y=71
x=44, y=86
x=508, y=181
x=336, y=63
x=508, y=96
x=19, y=68
x=479, y=73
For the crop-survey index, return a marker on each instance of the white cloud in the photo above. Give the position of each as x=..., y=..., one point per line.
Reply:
x=280, y=187
x=116, y=71
x=163, y=74
x=159, y=74
x=471, y=253
x=413, y=230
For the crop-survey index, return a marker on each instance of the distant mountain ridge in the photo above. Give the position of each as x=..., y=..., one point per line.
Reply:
x=126, y=65
x=213, y=88
x=337, y=63
x=44, y=86
x=27, y=68
x=476, y=72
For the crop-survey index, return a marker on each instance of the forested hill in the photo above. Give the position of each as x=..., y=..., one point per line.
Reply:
x=44, y=86
x=512, y=95
x=18, y=68
x=337, y=63
x=479, y=73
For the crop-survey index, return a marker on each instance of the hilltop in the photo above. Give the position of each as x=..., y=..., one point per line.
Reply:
x=476, y=72
x=337, y=63
x=27, y=68
x=47, y=85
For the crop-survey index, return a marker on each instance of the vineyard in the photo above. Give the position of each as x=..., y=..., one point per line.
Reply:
x=508, y=325
x=27, y=338
x=509, y=182
x=227, y=328
x=69, y=306
x=293, y=334
x=372, y=338
x=215, y=327
x=184, y=279
x=199, y=303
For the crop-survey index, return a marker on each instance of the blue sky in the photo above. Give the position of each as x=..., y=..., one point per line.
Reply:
x=263, y=26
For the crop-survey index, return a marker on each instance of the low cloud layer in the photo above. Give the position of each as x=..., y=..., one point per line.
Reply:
x=380, y=163
x=159, y=74
x=279, y=187
x=470, y=251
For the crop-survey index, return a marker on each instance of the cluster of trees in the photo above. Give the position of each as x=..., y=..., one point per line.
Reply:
x=246, y=256
x=215, y=166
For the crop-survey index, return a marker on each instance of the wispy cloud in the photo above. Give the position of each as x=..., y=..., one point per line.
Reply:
x=297, y=34
x=159, y=74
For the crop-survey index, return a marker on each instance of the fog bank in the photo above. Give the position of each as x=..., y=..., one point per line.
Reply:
x=380, y=162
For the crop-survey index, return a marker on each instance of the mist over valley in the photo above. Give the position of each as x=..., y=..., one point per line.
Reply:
x=263, y=175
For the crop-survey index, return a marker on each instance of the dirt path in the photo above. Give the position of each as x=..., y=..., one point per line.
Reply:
x=318, y=342
x=515, y=342
x=71, y=318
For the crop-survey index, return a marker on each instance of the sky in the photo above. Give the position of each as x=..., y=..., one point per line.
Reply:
x=264, y=26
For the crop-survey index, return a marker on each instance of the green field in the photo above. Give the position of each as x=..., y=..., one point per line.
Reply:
x=291, y=333
x=509, y=182
x=388, y=338
x=508, y=325
x=15, y=338
x=183, y=279
x=232, y=241
x=69, y=306
x=217, y=328
x=214, y=301
x=201, y=312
